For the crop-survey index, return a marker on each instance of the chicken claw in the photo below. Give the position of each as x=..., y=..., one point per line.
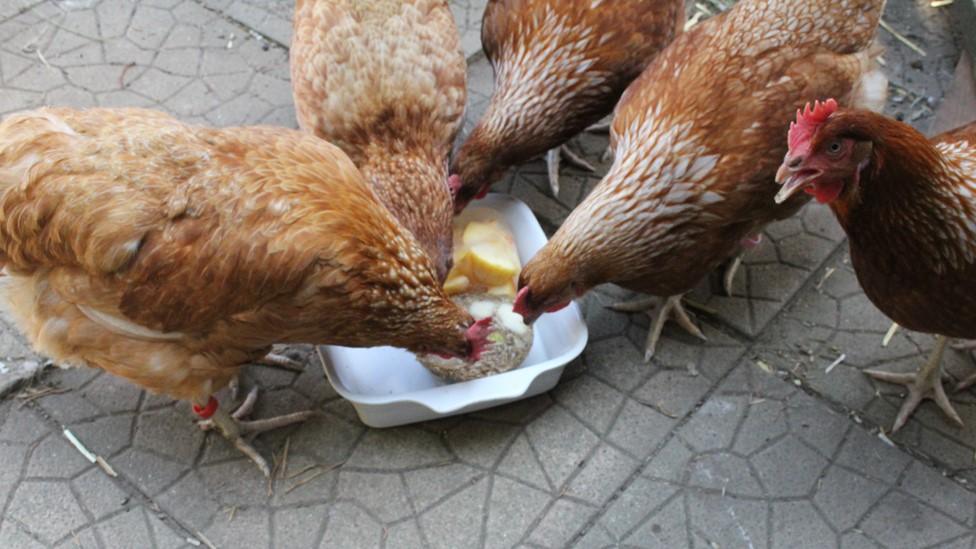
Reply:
x=272, y=360
x=969, y=345
x=552, y=161
x=275, y=360
x=671, y=308
x=926, y=383
x=729, y=276
x=603, y=127
x=965, y=346
x=239, y=431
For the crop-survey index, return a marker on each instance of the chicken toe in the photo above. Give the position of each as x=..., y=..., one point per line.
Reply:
x=239, y=431
x=968, y=345
x=926, y=383
x=275, y=360
x=552, y=161
x=966, y=383
x=728, y=277
x=660, y=312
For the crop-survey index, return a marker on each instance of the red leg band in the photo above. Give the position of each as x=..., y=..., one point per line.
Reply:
x=207, y=411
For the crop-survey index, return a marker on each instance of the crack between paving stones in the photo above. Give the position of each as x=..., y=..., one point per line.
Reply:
x=123, y=483
x=244, y=26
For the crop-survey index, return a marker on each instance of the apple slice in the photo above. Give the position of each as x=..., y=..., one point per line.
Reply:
x=456, y=283
x=490, y=263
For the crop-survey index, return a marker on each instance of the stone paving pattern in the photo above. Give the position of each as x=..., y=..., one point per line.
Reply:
x=744, y=441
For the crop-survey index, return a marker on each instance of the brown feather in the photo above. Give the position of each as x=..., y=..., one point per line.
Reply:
x=385, y=80
x=698, y=138
x=171, y=254
x=911, y=221
x=560, y=66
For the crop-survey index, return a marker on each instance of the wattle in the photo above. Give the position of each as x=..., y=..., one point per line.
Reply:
x=825, y=192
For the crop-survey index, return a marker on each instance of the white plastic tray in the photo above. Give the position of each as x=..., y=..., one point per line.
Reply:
x=388, y=387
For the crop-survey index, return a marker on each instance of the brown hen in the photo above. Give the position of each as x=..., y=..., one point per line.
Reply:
x=384, y=80
x=560, y=66
x=695, y=140
x=170, y=254
x=908, y=206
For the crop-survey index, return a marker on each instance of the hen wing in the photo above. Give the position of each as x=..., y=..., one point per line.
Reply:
x=170, y=226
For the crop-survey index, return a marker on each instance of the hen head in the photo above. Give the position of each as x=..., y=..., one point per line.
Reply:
x=544, y=287
x=825, y=157
x=473, y=171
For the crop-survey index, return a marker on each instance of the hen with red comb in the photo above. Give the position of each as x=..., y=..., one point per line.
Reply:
x=697, y=139
x=907, y=204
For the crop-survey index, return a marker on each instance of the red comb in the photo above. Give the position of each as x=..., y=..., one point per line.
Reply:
x=807, y=121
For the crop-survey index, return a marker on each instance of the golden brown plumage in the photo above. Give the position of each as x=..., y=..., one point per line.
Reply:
x=908, y=206
x=171, y=254
x=384, y=80
x=696, y=140
x=560, y=66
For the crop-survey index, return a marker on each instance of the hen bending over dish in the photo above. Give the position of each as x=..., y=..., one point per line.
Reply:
x=170, y=254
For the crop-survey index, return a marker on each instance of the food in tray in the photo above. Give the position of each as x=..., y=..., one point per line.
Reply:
x=510, y=341
x=486, y=266
x=485, y=260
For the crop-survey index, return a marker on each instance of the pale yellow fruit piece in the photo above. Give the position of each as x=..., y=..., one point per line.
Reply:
x=456, y=283
x=478, y=232
x=505, y=290
x=490, y=263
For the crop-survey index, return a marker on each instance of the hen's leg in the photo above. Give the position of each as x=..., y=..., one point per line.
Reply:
x=662, y=310
x=926, y=383
x=552, y=161
x=603, y=127
x=272, y=360
x=728, y=276
x=239, y=431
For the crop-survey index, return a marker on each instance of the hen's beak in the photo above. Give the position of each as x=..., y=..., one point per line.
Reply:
x=522, y=306
x=793, y=178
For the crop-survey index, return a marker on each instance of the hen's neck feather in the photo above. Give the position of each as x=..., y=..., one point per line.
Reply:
x=916, y=196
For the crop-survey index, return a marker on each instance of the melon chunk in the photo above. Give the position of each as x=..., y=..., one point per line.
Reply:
x=485, y=259
x=456, y=283
x=490, y=263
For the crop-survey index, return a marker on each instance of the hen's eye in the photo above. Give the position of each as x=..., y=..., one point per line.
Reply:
x=834, y=147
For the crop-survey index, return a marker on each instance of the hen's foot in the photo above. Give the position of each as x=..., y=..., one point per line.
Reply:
x=924, y=384
x=728, y=277
x=966, y=383
x=239, y=432
x=272, y=360
x=603, y=127
x=965, y=346
x=552, y=161
x=732, y=268
x=661, y=311
x=969, y=345
x=275, y=360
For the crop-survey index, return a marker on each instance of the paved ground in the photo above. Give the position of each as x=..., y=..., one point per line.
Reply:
x=746, y=441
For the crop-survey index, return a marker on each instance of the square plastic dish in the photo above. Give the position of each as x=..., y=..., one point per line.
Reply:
x=388, y=387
